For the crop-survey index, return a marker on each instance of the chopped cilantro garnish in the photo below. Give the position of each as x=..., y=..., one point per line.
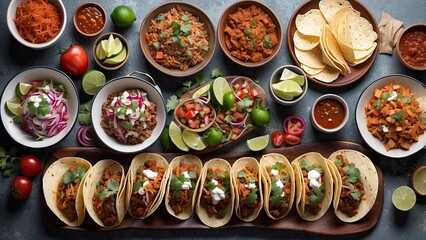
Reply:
x=252, y=41
x=356, y=195
x=253, y=23
x=267, y=42
x=74, y=176
x=184, y=18
x=172, y=103
x=316, y=196
x=110, y=189
x=399, y=116
x=204, y=48
x=186, y=28
x=138, y=184
x=252, y=196
x=157, y=45
x=189, y=53
x=378, y=104
x=244, y=104
x=248, y=32
x=216, y=72
x=406, y=99
x=84, y=113
x=279, y=166
x=125, y=124
x=352, y=172
x=160, y=17
x=8, y=160
x=304, y=165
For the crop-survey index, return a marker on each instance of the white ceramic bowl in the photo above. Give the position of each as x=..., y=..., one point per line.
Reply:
x=11, y=14
x=320, y=128
x=27, y=76
x=416, y=87
x=121, y=84
x=275, y=77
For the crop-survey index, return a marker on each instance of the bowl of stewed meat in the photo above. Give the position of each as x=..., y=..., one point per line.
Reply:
x=128, y=113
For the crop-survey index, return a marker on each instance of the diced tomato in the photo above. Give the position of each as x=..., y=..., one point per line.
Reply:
x=234, y=136
x=238, y=115
x=221, y=116
x=236, y=86
x=193, y=124
x=198, y=106
x=189, y=106
x=237, y=131
x=207, y=110
x=189, y=115
x=240, y=94
x=253, y=93
x=159, y=55
x=228, y=128
x=36, y=83
x=180, y=113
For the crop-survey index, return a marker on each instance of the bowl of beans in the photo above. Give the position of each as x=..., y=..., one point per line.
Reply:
x=90, y=19
x=249, y=33
x=411, y=47
x=329, y=113
x=36, y=24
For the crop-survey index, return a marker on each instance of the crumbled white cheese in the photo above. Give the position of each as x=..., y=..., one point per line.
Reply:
x=217, y=195
x=274, y=172
x=314, y=178
x=186, y=185
x=150, y=174
x=186, y=175
x=141, y=190
x=250, y=185
x=385, y=129
x=392, y=96
x=214, y=182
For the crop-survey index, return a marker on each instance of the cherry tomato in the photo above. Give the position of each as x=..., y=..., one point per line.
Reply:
x=291, y=139
x=20, y=188
x=294, y=125
x=29, y=165
x=277, y=138
x=74, y=61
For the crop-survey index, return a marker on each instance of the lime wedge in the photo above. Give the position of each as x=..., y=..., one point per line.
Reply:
x=118, y=47
x=109, y=46
x=404, y=198
x=176, y=136
x=287, y=87
x=200, y=92
x=218, y=88
x=290, y=75
x=92, y=81
x=419, y=181
x=258, y=143
x=117, y=59
x=14, y=106
x=23, y=88
x=193, y=140
x=100, y=52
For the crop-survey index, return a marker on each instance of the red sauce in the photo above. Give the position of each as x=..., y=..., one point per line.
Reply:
x=412, y=47
x=90, y=20
x=329, y=113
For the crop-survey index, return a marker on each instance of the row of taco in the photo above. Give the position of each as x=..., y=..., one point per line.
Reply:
x=71, y=185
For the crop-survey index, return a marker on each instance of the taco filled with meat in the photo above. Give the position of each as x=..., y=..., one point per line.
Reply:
x=181, y=190
x=215, y=201
x=357, y=184
x=62, y=189
x=314, y=185
x=103, y=192
x=146, y=183
x=279, y=185
x=248, y=188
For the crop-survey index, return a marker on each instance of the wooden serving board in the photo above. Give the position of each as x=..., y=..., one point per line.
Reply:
x=262, y=94
x=329, y=224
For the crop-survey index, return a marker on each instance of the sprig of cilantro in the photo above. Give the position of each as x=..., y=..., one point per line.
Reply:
x=84, y=113
x=276, y=193
x=353, y=173
x=8, y=160
x=187, y=86
x=316, y=196
x=216, y=72
x=74, y=176
x=111, y=189
x=304, y=165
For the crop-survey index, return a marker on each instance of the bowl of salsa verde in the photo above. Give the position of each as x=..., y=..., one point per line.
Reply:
x=411, y=47
x=329, y=113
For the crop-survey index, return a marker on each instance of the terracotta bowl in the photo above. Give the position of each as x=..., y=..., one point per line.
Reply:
x=182, y=121
x=198, y=13
x=414, y=27
x=101, y=62
x=97, y=13
x=415, y=172
x=320, y=128
x=221, y=36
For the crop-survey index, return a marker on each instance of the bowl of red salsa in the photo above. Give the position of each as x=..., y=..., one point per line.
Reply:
x=194, y=115
x=90, y=19
x=329, y=113
x=411, y=47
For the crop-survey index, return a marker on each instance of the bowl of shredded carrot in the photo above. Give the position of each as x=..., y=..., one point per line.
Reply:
x=36, y=24
x=391, y=116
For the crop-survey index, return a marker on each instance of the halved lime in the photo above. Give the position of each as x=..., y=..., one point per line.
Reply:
x=193, y=140
x=117, y=59
x=23, y=88
x=290, y=75
x=218, y=88
x=92, y=81
x=418, y=180
x=14, y=106
x=200, y=92
x=287, y=88
x=176, y=136
x=258, y=143
x=404, y=198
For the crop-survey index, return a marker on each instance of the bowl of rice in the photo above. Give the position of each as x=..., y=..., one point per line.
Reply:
x=36, y=24
x=177, y=38
x=128, y=113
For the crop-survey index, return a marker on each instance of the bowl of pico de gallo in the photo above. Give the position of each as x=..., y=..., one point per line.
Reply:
x=39, y=106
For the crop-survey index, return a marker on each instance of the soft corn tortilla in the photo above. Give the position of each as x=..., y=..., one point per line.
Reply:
x=202, y=213
x=330, y=7
x=369, y=178
x=93, y=177
x=270, y=160
x=139, y=160
x=312, y=158
x=53, y=177
x=236, y=167
x=187, y=159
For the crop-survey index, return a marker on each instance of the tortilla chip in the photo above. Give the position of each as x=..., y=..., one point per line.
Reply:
x=330, y=7
x=311, y=58
x=310, y=23
x=189, y=160
x=53, y=177
x=305, y=42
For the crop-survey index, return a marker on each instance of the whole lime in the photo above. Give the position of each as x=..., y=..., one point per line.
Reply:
x=228, y=100
x=213, y=136
x=123, y=16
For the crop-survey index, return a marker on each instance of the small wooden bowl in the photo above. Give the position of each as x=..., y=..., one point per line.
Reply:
x=100, y=62
x=411, y=28
x=183, y=125
x=99, y=9
x=416, y=171
x=222, y=25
